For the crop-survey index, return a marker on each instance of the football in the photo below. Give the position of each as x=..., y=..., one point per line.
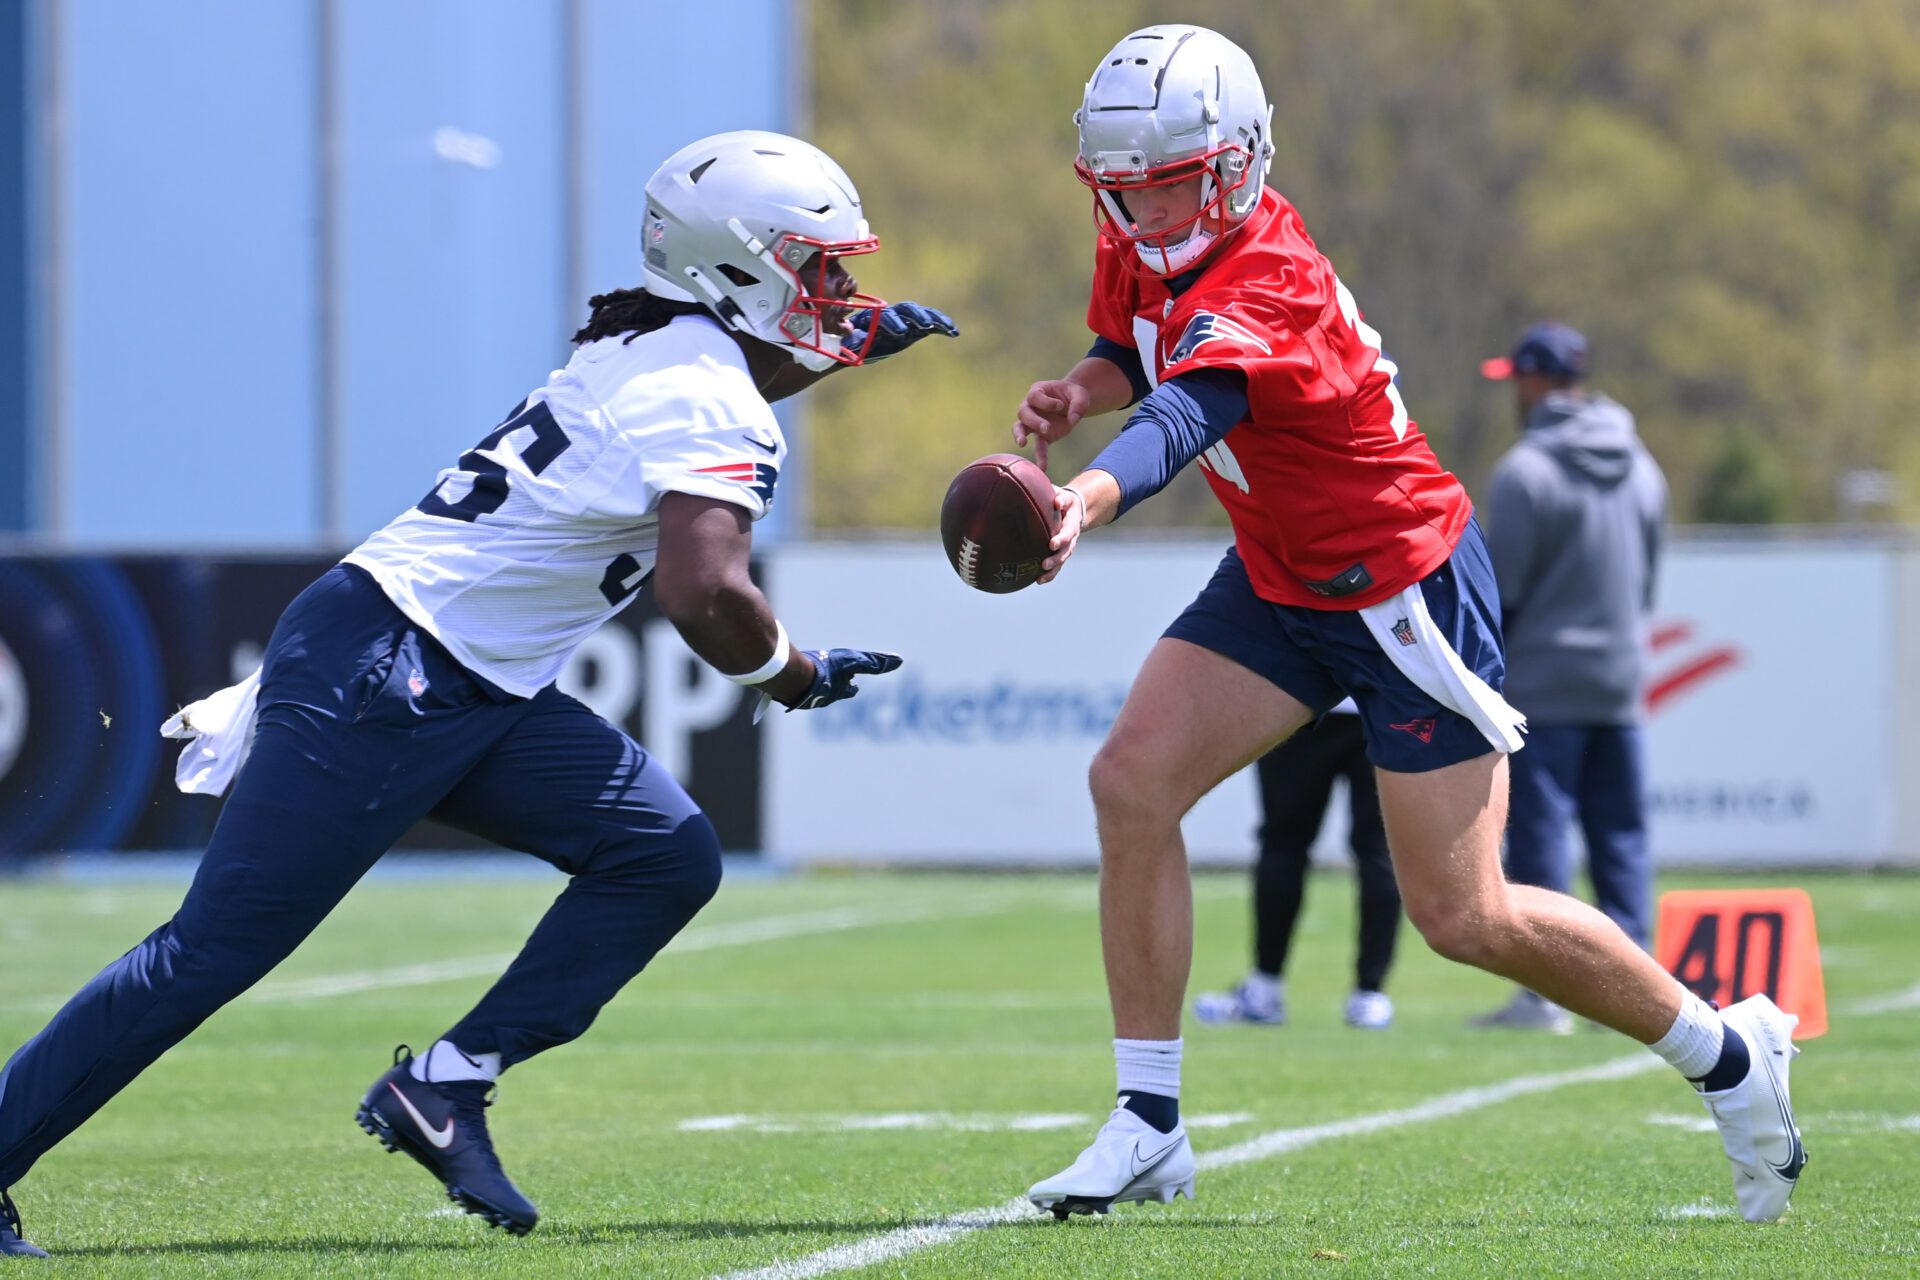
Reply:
x=996, y=521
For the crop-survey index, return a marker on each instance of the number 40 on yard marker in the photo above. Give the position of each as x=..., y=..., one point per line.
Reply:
x=1727, y=944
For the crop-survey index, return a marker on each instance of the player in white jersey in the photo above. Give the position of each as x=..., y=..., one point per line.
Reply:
x=416, y=677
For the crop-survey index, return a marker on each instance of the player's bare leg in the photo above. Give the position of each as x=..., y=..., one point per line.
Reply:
x=1444, y=830
x=1192, y=718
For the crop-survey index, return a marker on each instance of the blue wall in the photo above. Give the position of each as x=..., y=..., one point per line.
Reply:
x=186, y=384
x=15, y=405
x=303, y=253
x=452, y=233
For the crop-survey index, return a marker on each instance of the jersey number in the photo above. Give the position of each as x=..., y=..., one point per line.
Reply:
x=489, y=477
x=1350, y=311
x=622, y=578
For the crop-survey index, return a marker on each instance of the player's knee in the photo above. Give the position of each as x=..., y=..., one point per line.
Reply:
x=698, y=878
x=1124, y=783
x=1458, y=931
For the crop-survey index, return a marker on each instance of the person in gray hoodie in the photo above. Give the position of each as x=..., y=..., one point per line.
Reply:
x=1574, y=517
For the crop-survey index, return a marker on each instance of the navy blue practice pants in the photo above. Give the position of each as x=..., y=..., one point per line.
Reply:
x=1296, y=781
x=1593, y=775
x=366, y=725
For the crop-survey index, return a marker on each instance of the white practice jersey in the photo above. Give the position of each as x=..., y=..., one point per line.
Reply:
x=547, y=527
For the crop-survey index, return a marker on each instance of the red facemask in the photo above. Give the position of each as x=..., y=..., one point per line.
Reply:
x=812, y=320
x=1167, y=250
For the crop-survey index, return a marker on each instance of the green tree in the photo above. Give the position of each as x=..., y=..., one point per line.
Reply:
x=1727, y=200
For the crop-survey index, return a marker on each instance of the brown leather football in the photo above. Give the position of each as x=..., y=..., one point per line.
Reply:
x=996, y=521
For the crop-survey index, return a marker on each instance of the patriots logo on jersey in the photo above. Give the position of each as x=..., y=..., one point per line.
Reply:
x=1207, y=327
x=757, y=476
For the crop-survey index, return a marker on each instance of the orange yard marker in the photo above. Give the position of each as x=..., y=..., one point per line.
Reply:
x=1728, y=944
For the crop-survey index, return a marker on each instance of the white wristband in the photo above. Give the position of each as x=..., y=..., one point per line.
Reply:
x=772, y=666
x=1083, y=502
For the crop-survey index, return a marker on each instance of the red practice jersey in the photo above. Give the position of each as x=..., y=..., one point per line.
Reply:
x=1335, y=498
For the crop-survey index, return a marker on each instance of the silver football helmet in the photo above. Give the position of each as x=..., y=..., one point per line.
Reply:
x=1166, y=104
x=748, y=224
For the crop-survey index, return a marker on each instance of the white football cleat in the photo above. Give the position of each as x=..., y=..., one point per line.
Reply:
x=1129, y=1160
x=1243, y=1004
x=1369, y=1010
x=1755, y=1116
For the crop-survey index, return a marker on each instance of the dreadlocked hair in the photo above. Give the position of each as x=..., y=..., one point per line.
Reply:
x=632, y=312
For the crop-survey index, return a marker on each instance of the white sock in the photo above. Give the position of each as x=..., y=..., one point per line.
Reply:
x=446, y=1061
x=1264, y=988
x=1149, y=1066
x=1693, y=1044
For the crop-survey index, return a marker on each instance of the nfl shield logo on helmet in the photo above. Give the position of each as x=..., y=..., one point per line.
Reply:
x=656, y=232
x=1403, y=631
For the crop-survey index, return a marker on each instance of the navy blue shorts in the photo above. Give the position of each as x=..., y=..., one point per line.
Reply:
x=1323, y=655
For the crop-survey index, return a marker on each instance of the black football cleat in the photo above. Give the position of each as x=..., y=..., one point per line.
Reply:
x=444, y=1127
x=12, y=1243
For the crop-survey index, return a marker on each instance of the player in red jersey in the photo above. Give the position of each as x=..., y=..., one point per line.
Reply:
x=1357, y=570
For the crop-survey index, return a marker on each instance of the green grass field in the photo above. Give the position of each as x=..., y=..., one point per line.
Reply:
x=832, y=1061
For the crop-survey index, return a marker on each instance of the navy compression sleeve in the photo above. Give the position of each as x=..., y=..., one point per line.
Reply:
x=1128, y=361
x=1177, y=423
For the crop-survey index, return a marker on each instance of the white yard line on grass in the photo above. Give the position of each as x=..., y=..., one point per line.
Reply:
x=699, y=938
x=710, y=938
x=1892, y=1002
x=893, y=1121
x=1697, y=1123
x=907, y=1240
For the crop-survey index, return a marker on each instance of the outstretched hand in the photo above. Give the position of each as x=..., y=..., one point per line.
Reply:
x=896, y=327
x=834, y=671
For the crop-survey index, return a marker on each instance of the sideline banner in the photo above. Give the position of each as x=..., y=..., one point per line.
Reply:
x=1771, y=719
x=96, y=651
x=1774, y=735
x=1769, y=731
x=976, y=750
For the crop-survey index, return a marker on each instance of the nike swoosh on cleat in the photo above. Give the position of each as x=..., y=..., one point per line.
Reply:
x=441, y=1138
x=1789, y=1169
x=1156, y=1158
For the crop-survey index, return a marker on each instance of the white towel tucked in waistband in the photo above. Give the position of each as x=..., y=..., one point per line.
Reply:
x=219, y=733
x=1404, y=630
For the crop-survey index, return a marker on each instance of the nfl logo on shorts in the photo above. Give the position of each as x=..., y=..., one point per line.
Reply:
x=1403, y=631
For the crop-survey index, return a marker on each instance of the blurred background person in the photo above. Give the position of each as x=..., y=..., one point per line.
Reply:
x=1574, y=519
x=1296, y=782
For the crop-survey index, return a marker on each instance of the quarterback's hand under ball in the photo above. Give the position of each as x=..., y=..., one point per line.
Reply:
x=1073, y=516
x=901, y=324
x=1051, y=410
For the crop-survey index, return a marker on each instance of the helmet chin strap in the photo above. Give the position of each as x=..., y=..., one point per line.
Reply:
x=1173, y=259
x=815, y=361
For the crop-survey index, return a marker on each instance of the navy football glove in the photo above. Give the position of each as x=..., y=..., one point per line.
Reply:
x=901, y=325
x=833, y=673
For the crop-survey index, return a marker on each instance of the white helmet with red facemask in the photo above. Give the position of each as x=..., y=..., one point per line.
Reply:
x=747, y=224
x=1166, y=104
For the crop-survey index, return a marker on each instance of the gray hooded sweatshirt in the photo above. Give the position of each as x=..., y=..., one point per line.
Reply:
x=1574, y=528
